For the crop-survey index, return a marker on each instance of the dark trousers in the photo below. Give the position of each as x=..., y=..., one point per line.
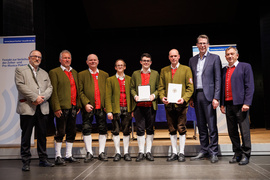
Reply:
x=27, y=123
x=66, y=125
x=235, y=117
x=207, y=124
x=125, y=122
x=177, y=119
x=145, y=119
x=88, y=118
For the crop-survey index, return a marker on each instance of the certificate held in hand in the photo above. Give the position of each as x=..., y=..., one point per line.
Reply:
x=174, y=92
x=144, y=93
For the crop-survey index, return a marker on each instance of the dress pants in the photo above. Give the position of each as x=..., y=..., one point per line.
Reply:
x=235, y=117
x=88, y=118
x=66, y=125
x=27, y=123
x=207, y=124
x=145, y=119
x=125, y=122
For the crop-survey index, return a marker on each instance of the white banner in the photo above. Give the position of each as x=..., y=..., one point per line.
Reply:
x=219, y=50
x=14, y=51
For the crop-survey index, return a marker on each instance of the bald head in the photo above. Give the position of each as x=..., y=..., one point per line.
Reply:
x=92, y=61
x=174, y=57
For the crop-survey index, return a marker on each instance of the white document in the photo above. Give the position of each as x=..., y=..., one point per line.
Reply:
x=144, y=93
x=174, y=92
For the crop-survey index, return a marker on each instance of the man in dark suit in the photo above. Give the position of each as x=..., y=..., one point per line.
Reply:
x=237, y=94
x=206, y=69
x=34, y=90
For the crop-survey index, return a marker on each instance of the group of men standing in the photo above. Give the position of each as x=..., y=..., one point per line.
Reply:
x=204, y=86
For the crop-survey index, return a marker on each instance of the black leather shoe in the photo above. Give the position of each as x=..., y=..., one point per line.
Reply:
x=117, y=157
x=88, y=157
x=244, y=160
x=72, y=160
x=127, y=157
x=181, y=158
x=140, y=157
x=103, y=157
x=214, y=158
x=45, y=163
x=26, y=167
x=235, y=159
x=200, y=156
x=173, y=157
x=149, y=157
x=59, y=161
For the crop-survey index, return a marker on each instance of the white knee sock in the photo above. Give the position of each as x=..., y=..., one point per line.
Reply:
x=116, y=140
x=141, y=142
x=182, y=141
x=102, y=143
x=88, y=143
x=149, y=142
x=174, y=143
x=57, y=146
x=68, y=149
x=126, y=144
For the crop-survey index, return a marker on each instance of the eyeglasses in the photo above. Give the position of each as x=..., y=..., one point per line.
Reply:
x=39, y=57
x=146, y=61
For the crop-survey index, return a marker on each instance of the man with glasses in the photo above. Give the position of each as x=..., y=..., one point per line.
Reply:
x=145, y=111
x=176, y=73
x=206, y=69
x=34, y=90
x=92, y=85
x=119, y=106
x=64, y=103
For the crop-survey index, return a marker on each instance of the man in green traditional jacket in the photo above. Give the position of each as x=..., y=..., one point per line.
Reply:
x=176, y=112
x=119, y=106
x=92, y=87
x=65, y=104
x=145, y=110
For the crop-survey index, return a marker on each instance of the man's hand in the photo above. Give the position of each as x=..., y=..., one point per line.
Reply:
x=110, y=116
x=215, y=103
x=165, y=101
x=88, y=108
x=180, y=101
x=191, y=103
x=152, y=97
x=58, y=113
x=245, y=108
x=222, y=109
x=137, y=98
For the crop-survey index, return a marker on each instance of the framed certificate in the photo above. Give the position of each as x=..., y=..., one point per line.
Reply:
x=174, y=92
x=144, y=93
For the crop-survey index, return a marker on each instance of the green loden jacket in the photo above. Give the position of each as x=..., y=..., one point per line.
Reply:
x=61, y=98
x=112, y=101
x=183, y=75
x=136, y=80
x=87, y=87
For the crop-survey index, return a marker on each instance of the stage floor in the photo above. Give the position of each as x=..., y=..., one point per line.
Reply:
x=260, y=139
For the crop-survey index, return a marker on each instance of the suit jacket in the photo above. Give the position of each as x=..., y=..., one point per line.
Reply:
x=112, y=101
x=211, y=75
x=136, y=80
x=242, y=82
x=87, y=87
x=61, y=95
x=183, y=75
x=28, y=90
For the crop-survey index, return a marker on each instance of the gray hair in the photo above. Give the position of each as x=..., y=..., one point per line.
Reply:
x=231, y=47
x=64, y=51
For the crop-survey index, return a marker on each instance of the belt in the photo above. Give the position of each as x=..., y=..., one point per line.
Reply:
x=22, y=100
x=199, y=90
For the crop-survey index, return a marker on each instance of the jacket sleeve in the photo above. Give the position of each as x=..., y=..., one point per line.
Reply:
x=156, y=86
x=248, y=85
x=189, y=86
x=48, y=92
x=54, y=98
x=133, y=87
x=162, y=85
x=83, y=98
x=218, y=80
x=108, y=97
